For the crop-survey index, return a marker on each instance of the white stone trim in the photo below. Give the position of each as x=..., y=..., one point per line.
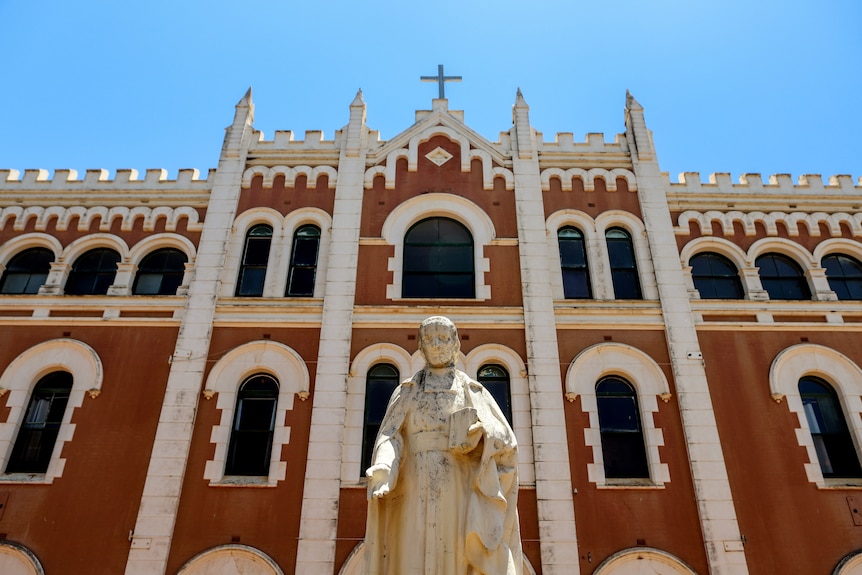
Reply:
x=93, y=241
x=835, y=246
x=158, y=241
x=588, y=177
x=241, y=225
x=637, y=560
x=643, y=258
x=645, y=375
x=814, y=275
x=21, y=376
x=750, y=281
x=86, y=217
x=600, y=281
x=272, y=358
x=290, y=174
x=222, y=559
x=21, y=557
x=284, y=248
x=850, y=564
x=833, y=367
x=16, y=245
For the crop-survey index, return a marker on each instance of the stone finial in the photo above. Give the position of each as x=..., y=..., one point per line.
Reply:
x=358, y=101
x=631, y=103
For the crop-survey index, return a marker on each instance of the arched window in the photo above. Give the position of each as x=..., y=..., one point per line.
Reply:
x=303, y=261
x=573, y=260
x=27, y=271
x=782, y=278
x=250, y=446
x=381, y=381
x=621, y=431
x=160, y=273
x=93, y=273
x=438, y=260
x=495, y=378
x=845, y=275
x=624, y=271
x=252, y=270
x=38, y=433
x=715, y=277
x=832, y=440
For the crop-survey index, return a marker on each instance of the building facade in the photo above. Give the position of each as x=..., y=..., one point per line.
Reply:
x=191, y=369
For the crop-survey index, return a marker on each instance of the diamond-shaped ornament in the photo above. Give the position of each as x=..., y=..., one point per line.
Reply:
x=439, y=156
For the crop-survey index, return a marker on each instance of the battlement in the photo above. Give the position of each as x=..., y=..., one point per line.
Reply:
x=594, y=143
x=187, y=179
x=283, y=140
x=778, y=184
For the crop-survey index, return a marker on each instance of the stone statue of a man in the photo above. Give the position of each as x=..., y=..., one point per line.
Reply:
x=443, y=481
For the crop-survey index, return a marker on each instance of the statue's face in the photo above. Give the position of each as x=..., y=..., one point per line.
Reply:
x=439, y=345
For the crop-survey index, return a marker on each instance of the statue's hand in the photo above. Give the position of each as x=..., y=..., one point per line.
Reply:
x=378, y=480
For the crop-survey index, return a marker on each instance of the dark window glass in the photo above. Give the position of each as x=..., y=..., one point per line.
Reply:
x=845, y=275
x=715, y=277
x=38, y=433
x=438, y=260
x=832, y=440
x=495, y=378
x=624, y=271
x=381, y=381
x=252, y=270
x=250, y=446
x=27, y=271
x=620, y=427
x=160, y=273
x=573, y=261
x=303, y=261
x=93, y=273
x=782, y=278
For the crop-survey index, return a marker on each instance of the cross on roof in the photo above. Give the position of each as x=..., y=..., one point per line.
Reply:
x=441, y=79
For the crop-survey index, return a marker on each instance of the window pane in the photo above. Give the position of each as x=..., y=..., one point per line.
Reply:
x=845, y=276
x=38, y=434
x=301, y=282
x=27, y=271
x=250, y=445
x=380, y=382
x=623, y=449
x=438, y=260
x=576, y=284
x=832, y=440
x=715, y=277
x=496, y=380
x=782, y=278
x=93, y=273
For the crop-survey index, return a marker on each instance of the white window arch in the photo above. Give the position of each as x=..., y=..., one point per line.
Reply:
x=637, y=560
x=850, y=564
x=643, y=259
x=231, y=559
x=811, y=270
x=242, y=224
x=595, y=247
x=161, y=241
x=283, y=246
x=15, y=559
x=747, y=274
x=642, y=372
x=62, y=266
x=16, y=245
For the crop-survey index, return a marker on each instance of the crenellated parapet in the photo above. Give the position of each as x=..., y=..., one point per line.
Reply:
x=154, y=179
x=594, y=143
x=778, y=185
x=283, y=141
x=18, y=217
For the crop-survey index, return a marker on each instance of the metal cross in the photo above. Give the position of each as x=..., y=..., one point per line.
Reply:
x=440, y=79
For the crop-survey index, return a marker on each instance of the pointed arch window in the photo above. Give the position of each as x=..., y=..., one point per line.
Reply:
x=495, y=379
x=715, y=277
x=160, y=273
x=303, y=262
x=38, y=434
x=438, y=260
x=255, y=254
x=624, y=271
x=845, y=276
x=832, y=441
x=27, y=271
x=573, y=261
x=622, y=437
x=93, y=273
x=250, y=447
x=381, y=381
x=782, y=278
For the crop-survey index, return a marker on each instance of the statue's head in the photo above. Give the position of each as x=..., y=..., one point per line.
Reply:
x=438, y=341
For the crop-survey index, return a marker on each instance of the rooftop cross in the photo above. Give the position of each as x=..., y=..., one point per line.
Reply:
x=441, y=80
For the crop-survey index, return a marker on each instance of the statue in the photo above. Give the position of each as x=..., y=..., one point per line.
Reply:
x=443, y=481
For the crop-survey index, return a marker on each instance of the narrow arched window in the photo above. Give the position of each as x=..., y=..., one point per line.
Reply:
x=715, y=277
x=93, y=273
x=624, y=271
x=303, y=261
x=845, y=276
x=573, y=261
x=832, y=440
x=27, y=271
x=38, y=433
x=782, y=278
x=255, y=254
x=495, y=378
x=381, y=381
x=250, y=447
x=160, y=273
x=621, y=432
x=438, y=260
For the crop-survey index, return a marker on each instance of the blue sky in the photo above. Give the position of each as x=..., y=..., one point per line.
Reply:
x=728, y=86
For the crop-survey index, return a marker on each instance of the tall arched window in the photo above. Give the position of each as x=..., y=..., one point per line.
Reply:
x=93, y=273
x=573, y=261
x=381, y=381
x=832, y=440
x=160, y=273
x=620, y=427
x=303, y=261
x=27, y=271
x=250, y=447
x=782, y=278
x=38, y=433
x=624, y=271
x=495, y=378
x=255, y=254
x=438, y=260
x=845, y=275
x=715, y=277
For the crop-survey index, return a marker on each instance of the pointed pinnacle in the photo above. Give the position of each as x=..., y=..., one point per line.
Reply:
x=245, y=100
x=631, y=103
x=519, y=98
x=358, y=101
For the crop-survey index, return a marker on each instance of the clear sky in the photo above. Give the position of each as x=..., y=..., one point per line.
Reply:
x=727, y=85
